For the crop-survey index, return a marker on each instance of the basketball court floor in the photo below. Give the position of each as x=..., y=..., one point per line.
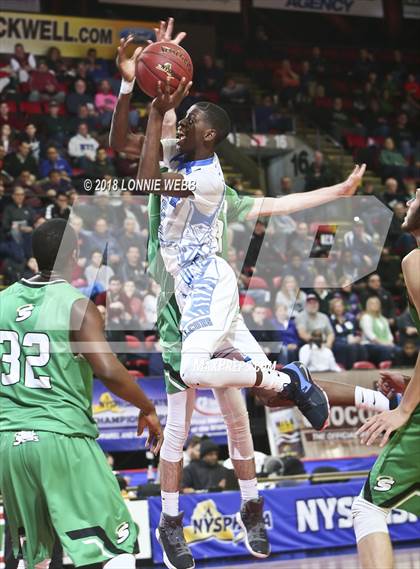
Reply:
x=407, y=558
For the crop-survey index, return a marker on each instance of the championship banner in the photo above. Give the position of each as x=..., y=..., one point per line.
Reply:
x=296, y=517
x=117, y=419
x=365, y=8
x=209, y=5
x=411, y=9
x=73, y=36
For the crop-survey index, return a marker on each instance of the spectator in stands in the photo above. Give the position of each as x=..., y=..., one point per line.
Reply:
x=318, y=63
x=360, y=244
x=192, y=450
x=339, y=120
x=6, y=117
x=374, y=288
x=150, y=304
x=319, y=174
x=234, y=93
x=97, y=273
x=56, y=182
x=22, y=63
x=101, y=166
x=316, y=356
x=18, y=220
x=54, y=60
x=6, y=138
x=81, y=73
x=391, y=195
x=300, y=241
x=54, y=162
x=412, y=87
x=131, y=236
x=268, y=116
x=286, y=185
x=28, y=182
x=30, y=136
x=82, y=147
x=392, y=162
x=290, y=295
x=403, y=136
x=133, y=269
x=299, y=268
x=208, y=77
x=55, y=127
x=259, y=323
x=78, y=97
x=286, y=82
x=105, y=101
x=60, y=209
x=135, y=304
x=347, y=346
x=44, y=85
x=364, y=65
x=406, y=328
x=284, y=336
x=311, y=319
x=396, y=239
x=346, y=266
x=114, y=297
x=283, y=228
x=97, y=68
x=323, y=293
x=206, y=473
x=101, y=239
x=16, y=162
x=82, y=239
x=307, y=82
x=407, y=357
x=376, y=333
x=87, y=115
x=131, y=208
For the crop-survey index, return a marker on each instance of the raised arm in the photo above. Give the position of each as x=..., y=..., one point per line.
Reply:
x=286, y=205
x=88, y=339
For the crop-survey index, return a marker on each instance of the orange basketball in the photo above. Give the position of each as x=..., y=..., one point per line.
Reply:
x=159, y=61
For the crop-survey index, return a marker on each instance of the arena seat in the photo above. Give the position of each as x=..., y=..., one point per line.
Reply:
x=30, y=108
x=133, y=342
x=385, y=364
x=363, y=365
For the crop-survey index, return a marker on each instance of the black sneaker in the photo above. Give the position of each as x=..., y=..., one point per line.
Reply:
x=251, y=520
x=310, y=399
x=170, y=535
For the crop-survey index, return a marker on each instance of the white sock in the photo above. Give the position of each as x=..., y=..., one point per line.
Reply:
x=170, y=503
x=370, y=399
x=249, y=489
x=123, y=561
x=273, y=379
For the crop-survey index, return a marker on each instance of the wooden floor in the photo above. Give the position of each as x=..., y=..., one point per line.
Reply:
x=404, y=559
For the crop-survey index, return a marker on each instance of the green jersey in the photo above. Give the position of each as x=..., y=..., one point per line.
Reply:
x=43, y=385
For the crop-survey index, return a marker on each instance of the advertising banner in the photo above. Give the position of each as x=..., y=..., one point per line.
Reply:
x=411, y=9
x=209, y=5
x=297, y=518
x=367, y=8
x=73, y=36
x=117, y=419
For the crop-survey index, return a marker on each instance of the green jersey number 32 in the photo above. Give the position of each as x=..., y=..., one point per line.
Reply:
x=14, y=357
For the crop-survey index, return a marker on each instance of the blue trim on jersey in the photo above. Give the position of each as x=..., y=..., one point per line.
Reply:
x=188, y=165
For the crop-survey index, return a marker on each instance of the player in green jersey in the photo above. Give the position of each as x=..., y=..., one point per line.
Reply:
x=53, y=475
x=394, y=480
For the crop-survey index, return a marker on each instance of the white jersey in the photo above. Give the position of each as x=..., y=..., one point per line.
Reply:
x=188, y=226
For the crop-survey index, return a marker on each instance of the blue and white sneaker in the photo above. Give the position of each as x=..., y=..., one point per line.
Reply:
x=310, y=399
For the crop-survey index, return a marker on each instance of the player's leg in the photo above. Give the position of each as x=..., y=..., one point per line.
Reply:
x=170, y=533
x=210, y=304
x=85, y=504
x=390, y=485
x=25, y=505
x=241, y=450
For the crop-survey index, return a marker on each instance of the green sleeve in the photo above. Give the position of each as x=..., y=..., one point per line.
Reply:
x=238, y=207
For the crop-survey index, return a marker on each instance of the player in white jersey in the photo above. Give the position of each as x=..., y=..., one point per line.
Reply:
x=217, y=351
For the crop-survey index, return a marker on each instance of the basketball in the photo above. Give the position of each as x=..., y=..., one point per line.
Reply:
x=158, y=62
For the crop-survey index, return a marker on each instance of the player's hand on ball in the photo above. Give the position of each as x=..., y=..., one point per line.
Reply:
x=152, y=423
x=382, y=425
x=165, y=30
x=165, y=101
x=127, y=65
x=349, y=187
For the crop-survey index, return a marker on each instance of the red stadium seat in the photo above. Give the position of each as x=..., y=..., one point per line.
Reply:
x=132, y=342
x=363, y=365
x=11, y=106
x=31, y=108
x=135, y=373
x=385, y=364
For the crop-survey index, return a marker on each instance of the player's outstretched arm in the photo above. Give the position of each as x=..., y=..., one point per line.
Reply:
x=286, y=205
x=88, y=339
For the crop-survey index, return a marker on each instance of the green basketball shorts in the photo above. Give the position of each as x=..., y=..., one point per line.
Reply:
x=56, y=482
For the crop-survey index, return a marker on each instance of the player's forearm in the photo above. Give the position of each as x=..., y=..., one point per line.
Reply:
x=411, y=397
x=149, y=163
x=119, y=124
x=286, y=205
